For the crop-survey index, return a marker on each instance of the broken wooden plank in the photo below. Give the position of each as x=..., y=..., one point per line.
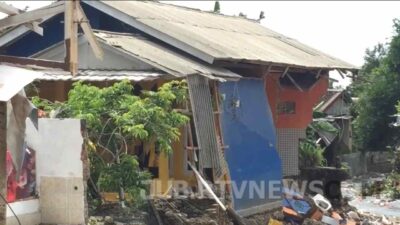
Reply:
x=30, y=16
x=34, y=26
x=285, y=72
x=71, y=36
x=87, y=30
x=208, y=188
x=32, y=61
x=268, y=70
x=11, y=10
x=294, y=82
x=155, y=212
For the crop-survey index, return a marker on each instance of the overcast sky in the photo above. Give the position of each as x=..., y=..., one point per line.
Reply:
x=343, y=29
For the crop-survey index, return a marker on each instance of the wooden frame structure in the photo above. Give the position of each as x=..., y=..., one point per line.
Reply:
x=74, y=15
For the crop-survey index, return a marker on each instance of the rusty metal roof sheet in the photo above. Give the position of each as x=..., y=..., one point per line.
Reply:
x=162, y=57
x=212, y=37
x=100, y=75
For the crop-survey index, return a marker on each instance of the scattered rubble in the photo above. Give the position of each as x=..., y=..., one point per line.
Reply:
x=191, y=211
x=114, y=214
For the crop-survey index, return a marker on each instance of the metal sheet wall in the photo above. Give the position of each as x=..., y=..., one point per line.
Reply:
x=203, y=116
x=249, y=132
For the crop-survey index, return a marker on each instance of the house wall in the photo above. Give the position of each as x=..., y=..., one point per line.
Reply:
x=291, y=127
x=338, y=108
x=59, y=175
x=288, y=140
x=305, y=101
x=61, y=182
x=362, y=163
x=28, y=212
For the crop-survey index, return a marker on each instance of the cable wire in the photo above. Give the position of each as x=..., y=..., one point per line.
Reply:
x=19, y=222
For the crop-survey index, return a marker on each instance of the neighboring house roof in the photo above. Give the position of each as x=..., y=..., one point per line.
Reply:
x=213, y=37
x=329, y=98
x=162, y=57
x=100, y=75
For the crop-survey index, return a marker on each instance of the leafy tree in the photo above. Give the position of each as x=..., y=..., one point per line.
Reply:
x=115, y=120
x=378, y=91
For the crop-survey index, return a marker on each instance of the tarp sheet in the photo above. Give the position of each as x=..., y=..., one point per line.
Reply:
x=249, y=131
x=13, y=79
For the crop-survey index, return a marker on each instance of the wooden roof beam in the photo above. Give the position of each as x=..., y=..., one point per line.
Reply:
x=30, y=16
x=11, y=10
x=88, y=32
x=294, y=82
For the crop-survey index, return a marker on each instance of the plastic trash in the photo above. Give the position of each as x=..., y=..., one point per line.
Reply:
x=329, y=220
x=322, y=203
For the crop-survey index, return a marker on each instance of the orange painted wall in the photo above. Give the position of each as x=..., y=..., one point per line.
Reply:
x=305, y=101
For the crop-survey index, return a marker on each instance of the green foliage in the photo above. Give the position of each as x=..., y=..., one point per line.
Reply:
x=392, y=186
x=134, y=182
x=324, y=126
x=311, y=155
x=378, y=90
x=115, y=119
x=114, y=116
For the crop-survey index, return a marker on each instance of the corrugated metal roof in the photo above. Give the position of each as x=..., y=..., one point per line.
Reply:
x=221, y=37
x=100, y=75
x=161, y=57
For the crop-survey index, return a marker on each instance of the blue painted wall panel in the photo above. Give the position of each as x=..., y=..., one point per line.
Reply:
x=249, y=132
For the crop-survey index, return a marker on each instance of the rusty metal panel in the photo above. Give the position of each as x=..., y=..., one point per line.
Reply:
x=200, y=98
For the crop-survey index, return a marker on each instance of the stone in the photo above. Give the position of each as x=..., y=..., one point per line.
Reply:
x=353, y=215
x=108, y=220
x=385, y=221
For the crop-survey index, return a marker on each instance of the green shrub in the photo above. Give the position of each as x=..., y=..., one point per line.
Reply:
x=311, y=155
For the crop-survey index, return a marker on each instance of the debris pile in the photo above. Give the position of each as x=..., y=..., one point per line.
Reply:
x=193, y=211
x=114, y=214
x=318, y=210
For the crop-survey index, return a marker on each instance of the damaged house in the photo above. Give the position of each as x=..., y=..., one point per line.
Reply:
x=334, y=108
x=252, y=90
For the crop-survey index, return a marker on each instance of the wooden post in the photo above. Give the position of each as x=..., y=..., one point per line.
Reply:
x=3, y=154
x=71, y=35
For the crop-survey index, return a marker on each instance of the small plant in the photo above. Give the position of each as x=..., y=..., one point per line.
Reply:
x=392, y=186
x=134, y=182
x=311, y=155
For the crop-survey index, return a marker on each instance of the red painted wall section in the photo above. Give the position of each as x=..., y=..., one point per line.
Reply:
x=305, y=101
